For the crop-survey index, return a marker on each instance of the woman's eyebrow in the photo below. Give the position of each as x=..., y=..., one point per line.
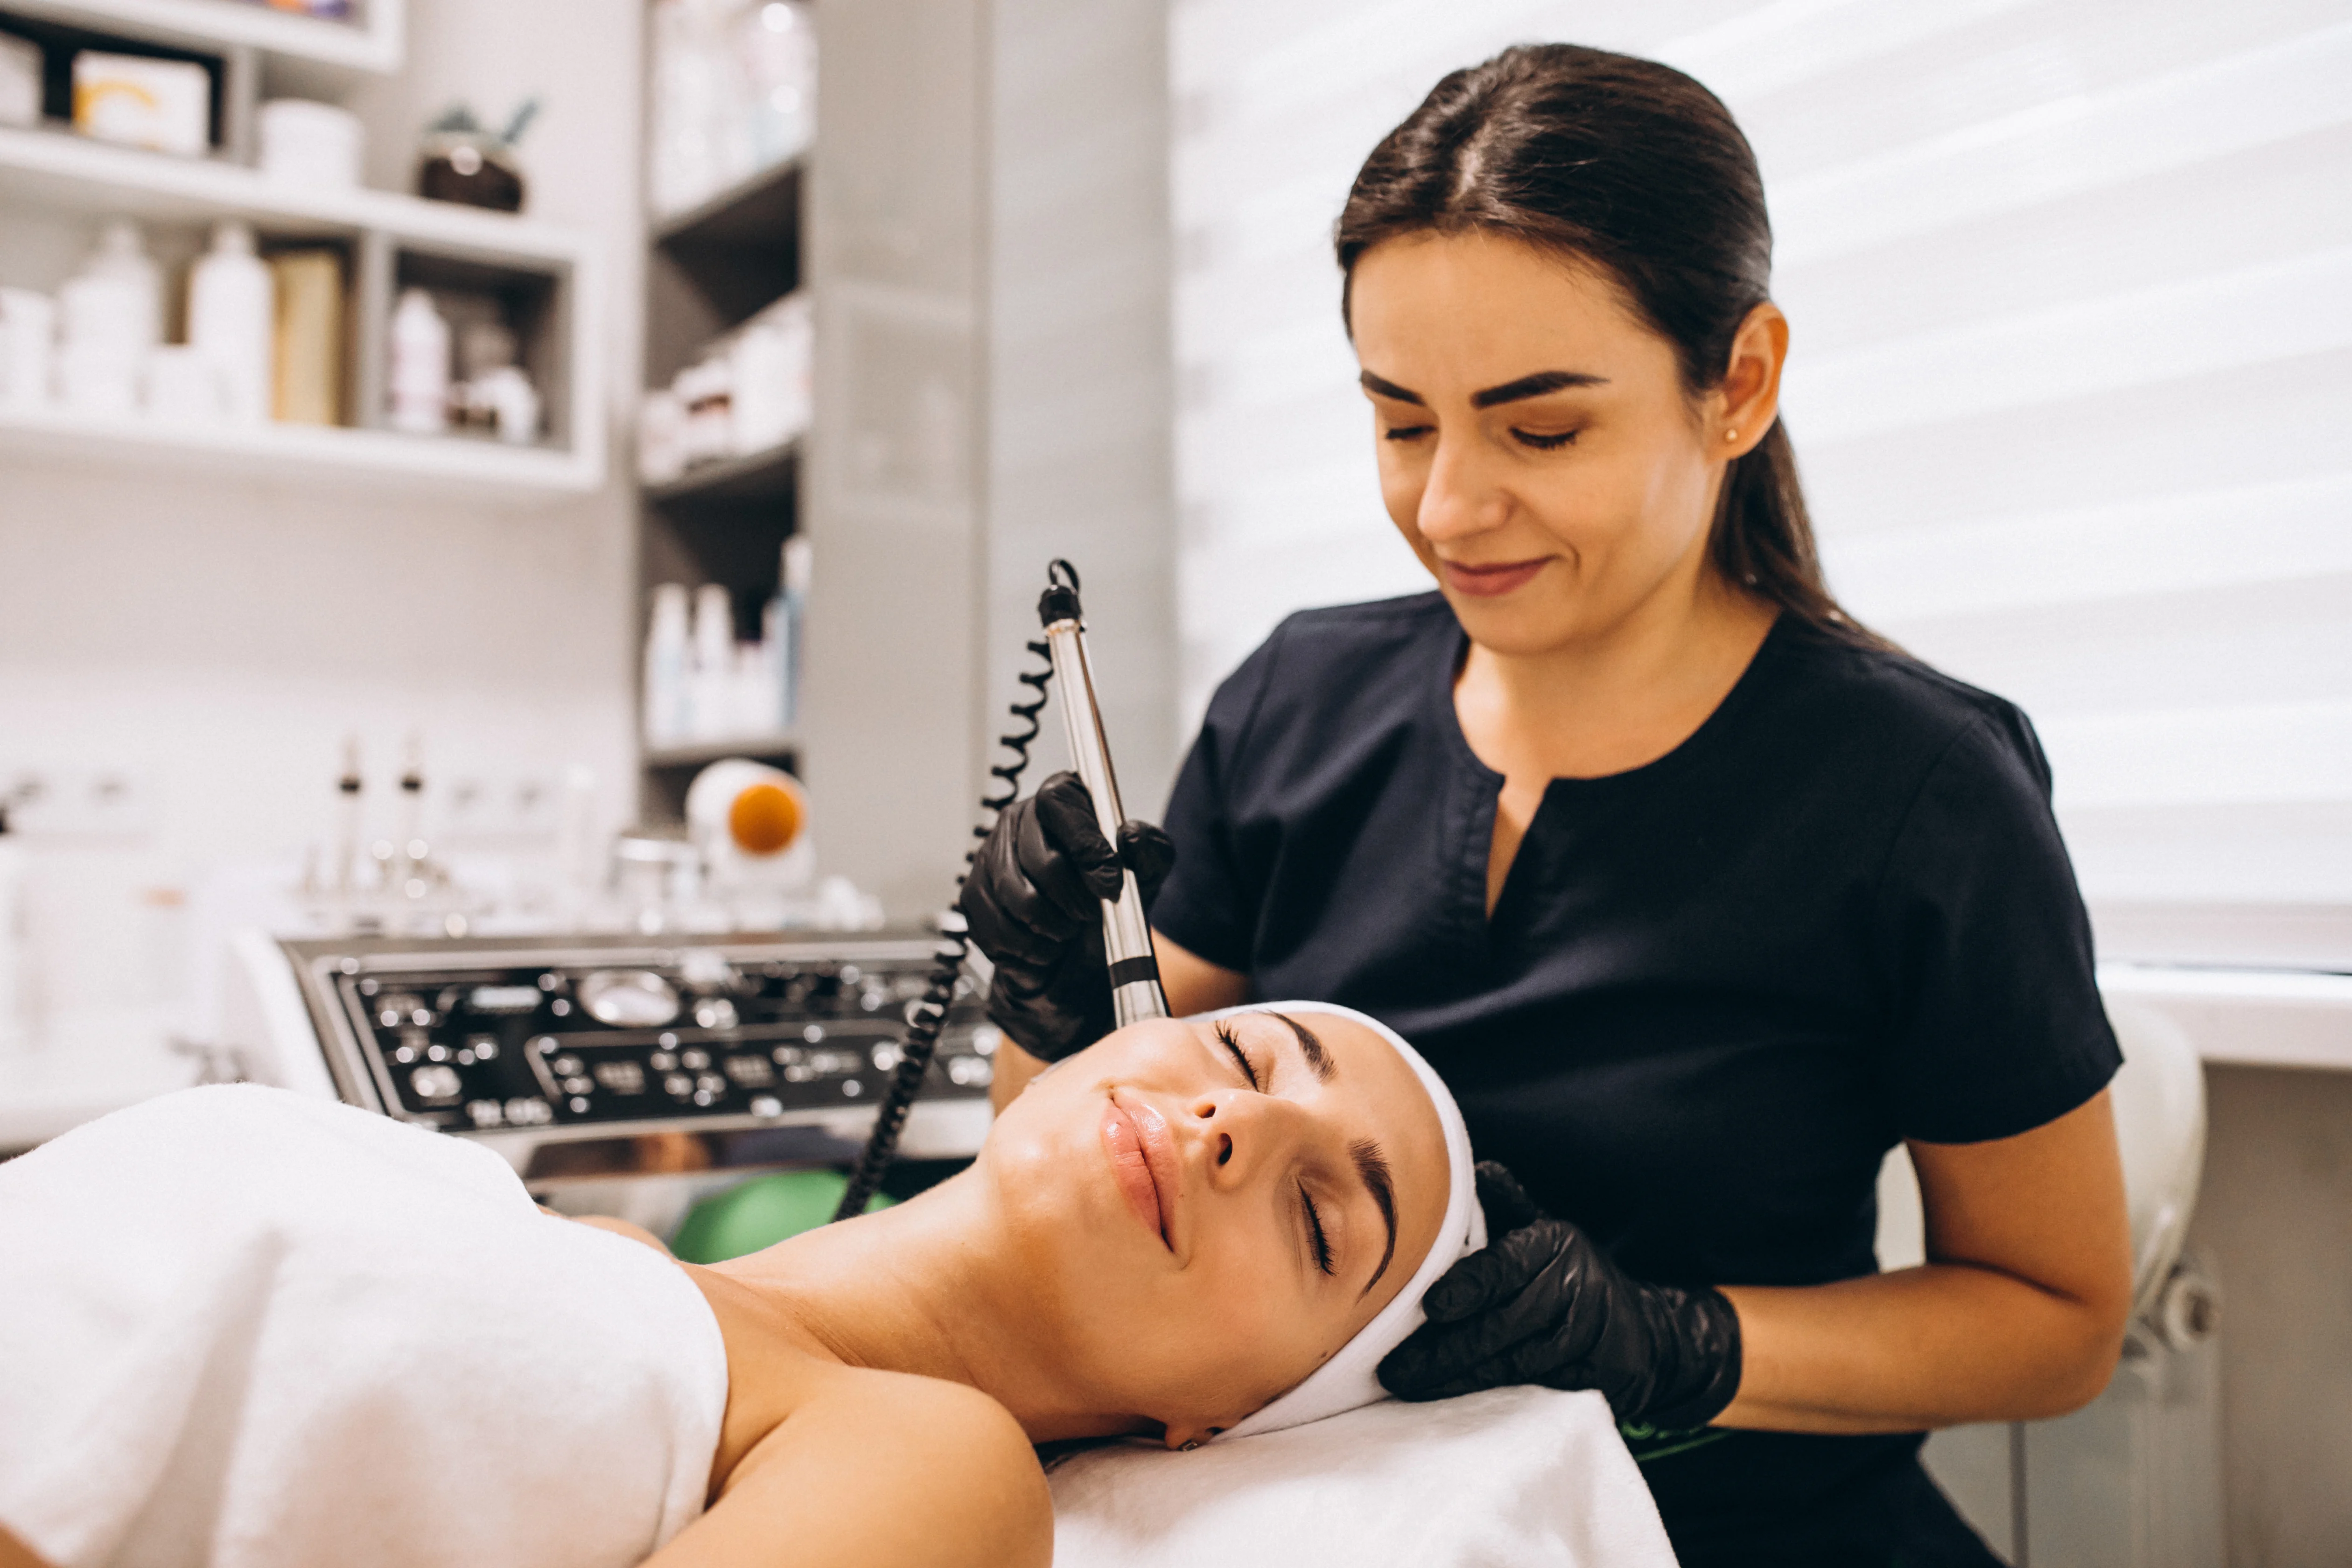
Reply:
x=1312, y=1049
x=1373, y=1167
x=1534, y=385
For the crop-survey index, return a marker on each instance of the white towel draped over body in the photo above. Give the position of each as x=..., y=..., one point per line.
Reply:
x=246, y=1329
x=1507, y=1478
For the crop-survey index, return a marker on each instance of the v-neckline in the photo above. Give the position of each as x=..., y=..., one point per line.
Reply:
x=1487, y=791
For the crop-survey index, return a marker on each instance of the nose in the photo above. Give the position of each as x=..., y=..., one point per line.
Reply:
x=1459, y=495
x=1231, y=1131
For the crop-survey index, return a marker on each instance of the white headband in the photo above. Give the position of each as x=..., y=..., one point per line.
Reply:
x=1349, y=1380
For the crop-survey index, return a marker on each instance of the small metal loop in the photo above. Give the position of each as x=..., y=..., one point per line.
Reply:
x=1188, y=1447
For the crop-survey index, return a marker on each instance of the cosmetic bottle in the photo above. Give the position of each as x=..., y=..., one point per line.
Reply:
x=668, y=651
x=231, y=304
x=419, y=382
x=710, y=707
x=111, y=318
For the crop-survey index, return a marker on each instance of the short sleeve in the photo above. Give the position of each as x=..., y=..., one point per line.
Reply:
x=1210, y=903
x=1996, y=1025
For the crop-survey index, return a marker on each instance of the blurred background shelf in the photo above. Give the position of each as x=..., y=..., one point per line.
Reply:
x=696, y=753
x=320, y=449
x=56, y=187
x=304, y=51
x=59, y=170
x=754, y=476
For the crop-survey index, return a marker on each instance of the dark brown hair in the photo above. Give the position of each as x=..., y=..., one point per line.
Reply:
x=1632, y=167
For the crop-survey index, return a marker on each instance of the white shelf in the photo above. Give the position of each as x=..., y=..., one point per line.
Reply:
x=317, y=448
x=59, y=169
x=318, y=50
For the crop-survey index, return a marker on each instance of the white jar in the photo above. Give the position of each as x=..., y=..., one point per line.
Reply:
x=316, y=146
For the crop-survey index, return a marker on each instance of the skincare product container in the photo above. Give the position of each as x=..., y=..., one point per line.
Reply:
x=231, y=304
x=315, y=146
x=164, y=106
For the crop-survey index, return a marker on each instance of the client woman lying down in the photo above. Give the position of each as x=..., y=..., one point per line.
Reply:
x=239, y=1327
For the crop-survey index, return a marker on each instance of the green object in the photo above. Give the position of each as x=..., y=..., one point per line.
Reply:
x=761, y=1213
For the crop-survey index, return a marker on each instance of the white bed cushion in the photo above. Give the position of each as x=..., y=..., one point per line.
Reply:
x=1514, y=1476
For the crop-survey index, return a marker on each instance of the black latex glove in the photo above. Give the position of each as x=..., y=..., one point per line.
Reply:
x=1543, y=1304
x=1033, y=902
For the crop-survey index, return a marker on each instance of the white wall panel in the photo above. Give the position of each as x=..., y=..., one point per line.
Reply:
x=2071, y=377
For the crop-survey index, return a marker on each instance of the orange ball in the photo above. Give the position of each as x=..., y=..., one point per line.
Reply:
x=764, y=819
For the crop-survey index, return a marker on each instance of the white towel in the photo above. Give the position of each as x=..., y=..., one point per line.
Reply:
x=1506, y=1478
x=247, y=1329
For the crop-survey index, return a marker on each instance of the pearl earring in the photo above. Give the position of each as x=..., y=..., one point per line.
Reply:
x=1732, y=434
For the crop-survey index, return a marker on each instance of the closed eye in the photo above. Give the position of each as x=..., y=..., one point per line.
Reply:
x=1316, y=1239
x=1226, y=1038
x=1543, y=443
x=1404, y=432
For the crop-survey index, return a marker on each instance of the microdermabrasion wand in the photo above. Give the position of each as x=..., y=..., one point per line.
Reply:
x=1127, y=940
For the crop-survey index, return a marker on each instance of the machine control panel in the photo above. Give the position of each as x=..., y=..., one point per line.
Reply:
x=615, y=1037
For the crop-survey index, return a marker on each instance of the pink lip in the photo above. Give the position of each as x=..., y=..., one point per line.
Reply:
x=1488, y=582
x=1143, y=1160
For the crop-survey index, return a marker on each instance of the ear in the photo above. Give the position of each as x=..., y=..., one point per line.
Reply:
x=1749, y=398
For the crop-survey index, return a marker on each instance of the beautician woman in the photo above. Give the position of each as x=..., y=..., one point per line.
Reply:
x=1700, y=895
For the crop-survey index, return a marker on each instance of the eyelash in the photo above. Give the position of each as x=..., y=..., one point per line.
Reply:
x=1321, y=1243
x=1315, y=1232
x=1524, y=437
x=1241, y=1058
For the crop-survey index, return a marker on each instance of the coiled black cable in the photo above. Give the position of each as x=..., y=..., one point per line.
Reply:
x=929, y=1014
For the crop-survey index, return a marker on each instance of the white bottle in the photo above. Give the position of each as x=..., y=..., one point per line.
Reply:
x=232, y=302
x=417, y=385
x=711, y=707
x=667, y=656
x=110, y=317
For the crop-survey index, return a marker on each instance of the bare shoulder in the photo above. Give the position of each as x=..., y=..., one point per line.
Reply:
x=878, y=1469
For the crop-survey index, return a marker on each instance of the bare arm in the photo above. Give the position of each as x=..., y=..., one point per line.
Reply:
x=880, y=1470
x=1194, y=984
x=2017, y=1314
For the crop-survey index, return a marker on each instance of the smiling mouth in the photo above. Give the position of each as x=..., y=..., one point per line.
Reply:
x=1127, y=1137
x=1486, y=582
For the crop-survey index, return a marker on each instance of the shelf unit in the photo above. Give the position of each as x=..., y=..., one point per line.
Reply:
x=708, y=269
x=299, y=51
x=56, y=185
x=780, y=747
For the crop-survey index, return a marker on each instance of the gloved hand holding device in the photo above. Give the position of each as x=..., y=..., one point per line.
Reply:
x=1543, y=1304
x=1033, y=903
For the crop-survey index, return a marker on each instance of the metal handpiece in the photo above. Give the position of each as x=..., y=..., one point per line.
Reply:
x=1135, y=991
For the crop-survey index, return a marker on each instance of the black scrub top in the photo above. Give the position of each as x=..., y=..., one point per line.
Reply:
x=1715, y=990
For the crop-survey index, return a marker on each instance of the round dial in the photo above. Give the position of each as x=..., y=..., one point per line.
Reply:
x=629, y=998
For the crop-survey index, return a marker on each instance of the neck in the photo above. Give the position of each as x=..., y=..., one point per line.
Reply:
x=917, y=1288
x=1676, y=651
